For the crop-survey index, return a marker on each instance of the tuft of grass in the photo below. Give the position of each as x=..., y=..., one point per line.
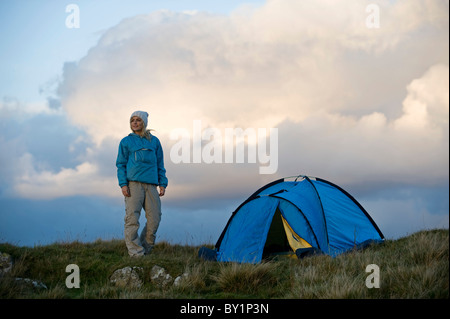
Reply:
x=246, y=279
x=416, y=266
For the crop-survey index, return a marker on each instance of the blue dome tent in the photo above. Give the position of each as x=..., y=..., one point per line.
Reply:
x=305, y=215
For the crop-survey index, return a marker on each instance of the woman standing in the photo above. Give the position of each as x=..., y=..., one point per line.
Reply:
x=140, y=170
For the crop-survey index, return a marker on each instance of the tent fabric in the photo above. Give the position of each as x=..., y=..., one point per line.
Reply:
x=246, y=235
x=295, y=241
x=316, y=216
x=346, y=223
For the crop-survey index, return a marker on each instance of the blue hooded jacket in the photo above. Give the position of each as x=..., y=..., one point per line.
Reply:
x=141, y=160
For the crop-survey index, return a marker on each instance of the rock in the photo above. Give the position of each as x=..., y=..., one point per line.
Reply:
x=5, y=263
x=31, y=283
x=179, y=279
x=127, y=277
x=159, y=276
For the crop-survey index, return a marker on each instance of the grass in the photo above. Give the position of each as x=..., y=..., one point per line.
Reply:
x=416, y=266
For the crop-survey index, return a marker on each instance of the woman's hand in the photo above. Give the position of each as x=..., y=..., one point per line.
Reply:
x=126, y=191
x=162, y=191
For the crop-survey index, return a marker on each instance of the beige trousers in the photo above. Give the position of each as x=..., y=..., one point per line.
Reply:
x=142, y=196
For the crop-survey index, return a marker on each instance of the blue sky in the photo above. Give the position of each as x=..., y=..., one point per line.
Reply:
x=366, y=108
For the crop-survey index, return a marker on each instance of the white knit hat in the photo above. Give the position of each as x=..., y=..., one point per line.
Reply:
x=143, y=115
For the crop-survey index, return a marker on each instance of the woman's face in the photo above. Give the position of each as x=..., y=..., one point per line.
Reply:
x=136, y=123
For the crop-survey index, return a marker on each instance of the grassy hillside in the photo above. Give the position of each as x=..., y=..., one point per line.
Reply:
x=416, y=266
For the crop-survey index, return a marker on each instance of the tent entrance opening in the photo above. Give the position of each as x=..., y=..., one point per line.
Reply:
x=281, y=239
x=277, y=241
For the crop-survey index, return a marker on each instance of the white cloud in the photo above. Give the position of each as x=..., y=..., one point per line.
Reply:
x=371, y=148
x=43, y=184
x=427, y=103
x=255, y=68
x=12, y=107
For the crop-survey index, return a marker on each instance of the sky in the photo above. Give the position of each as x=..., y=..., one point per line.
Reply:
x=354, y=92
